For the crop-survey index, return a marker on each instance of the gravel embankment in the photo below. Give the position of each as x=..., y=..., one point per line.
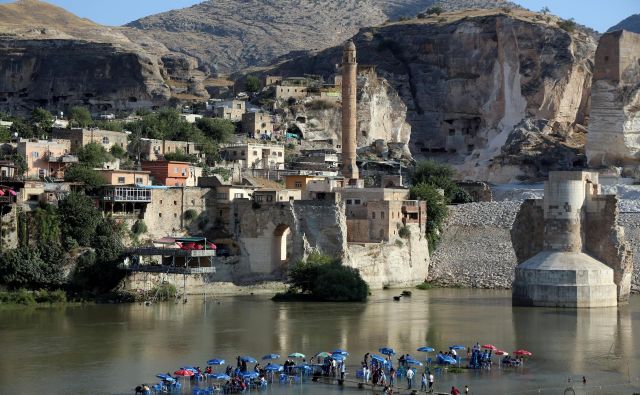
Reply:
x=476, y=250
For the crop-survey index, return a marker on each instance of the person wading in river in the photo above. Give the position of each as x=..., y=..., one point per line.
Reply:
x=409, y=378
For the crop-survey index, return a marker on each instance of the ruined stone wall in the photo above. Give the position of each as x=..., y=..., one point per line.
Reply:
x=398, y=263
x=614, y=129
x=605, y=241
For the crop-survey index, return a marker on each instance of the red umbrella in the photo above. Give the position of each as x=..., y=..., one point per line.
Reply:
x=211, y=246
x=183, y=372
x=523, y=353
x=490, y=347
x=501, y=352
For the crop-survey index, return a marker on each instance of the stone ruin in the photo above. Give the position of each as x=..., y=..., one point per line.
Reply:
x=570, y=251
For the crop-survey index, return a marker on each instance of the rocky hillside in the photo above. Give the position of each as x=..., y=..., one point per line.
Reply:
x=228, y=35
x=631, y=24
x=468, y=78
x=54, y=59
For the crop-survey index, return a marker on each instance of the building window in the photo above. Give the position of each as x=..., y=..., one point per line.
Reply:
x=222, y=196
x=269, y=198
x=175, y=202
x=279, y=154
x=105, y=140
x=348, y=201
x=193, y=202
x=175, y=215
x=35, y=154
x=381, y=214
x=160, y=201
x=373, y=215
x=357, y=201
x=238, y=196
x=298, y=184
x=120, y=180
x=139, y=180
x=255, y=153
x=175, y=170
x=393, y=215
x=242, y=153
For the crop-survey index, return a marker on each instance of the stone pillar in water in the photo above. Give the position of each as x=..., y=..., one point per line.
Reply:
x=562, y=274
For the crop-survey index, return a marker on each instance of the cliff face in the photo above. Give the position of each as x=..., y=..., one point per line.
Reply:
x=229, y=35
x=381, y=116
x=468, y=78
x=50, y=58
x=614, y=132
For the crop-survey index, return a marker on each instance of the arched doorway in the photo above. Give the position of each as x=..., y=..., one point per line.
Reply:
x=281, y=241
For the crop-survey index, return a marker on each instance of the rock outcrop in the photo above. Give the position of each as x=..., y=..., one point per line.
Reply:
x=614, y=130
x=468, y=78
x=631, y=24
x=50, y=58
x=381, y=116
x=229, y=35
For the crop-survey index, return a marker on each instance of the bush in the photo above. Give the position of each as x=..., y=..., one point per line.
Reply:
x=568, y=25
x=139, y=227
x=404, y=232
x=118, y=152
x=164, y=292
x=91, y=178
x=324, y=278
x=436, y=210
x=44, y=296
x=190, y=215
x=21, y=296
x=253, y=83
x=218, y=129
x=79, y=116
x=435, y=10
x=425, y=286
x=460, y=196
x=180, y=156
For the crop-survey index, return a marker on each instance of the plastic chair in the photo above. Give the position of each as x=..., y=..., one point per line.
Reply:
x=283, y=378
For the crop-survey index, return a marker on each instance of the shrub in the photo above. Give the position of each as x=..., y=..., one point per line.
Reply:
x=437, y=10
x=21, y=296
x=399, y=243
x=139, y=227
x=91, y=178
x=118, y=152
x=404, y=232
x=164, y=292
x=253, y=83
x=436, y=210
x=190, y=215
x=424, y=286
x=44, y=296
x=568, y=25
x=461, y=196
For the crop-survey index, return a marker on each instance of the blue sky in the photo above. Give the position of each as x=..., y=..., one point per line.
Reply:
x=598, y=14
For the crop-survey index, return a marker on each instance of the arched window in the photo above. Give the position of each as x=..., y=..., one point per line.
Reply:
x=105, y=140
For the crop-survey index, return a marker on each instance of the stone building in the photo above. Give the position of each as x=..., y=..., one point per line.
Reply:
x=257, y=125
x=614, y=122
x=286, y=92
x=153, y=149
x=232, y=110
x=571, y=251
x=79, y=137
x=255, y=156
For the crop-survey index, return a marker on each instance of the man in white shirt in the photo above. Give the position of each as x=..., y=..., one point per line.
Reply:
x=430, y=382
x=409, y=378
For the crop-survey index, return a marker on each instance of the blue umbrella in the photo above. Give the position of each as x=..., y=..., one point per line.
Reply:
x=271, y=356
x=304, y=367
x=387, y=351
x=341, y=351
x=248, y=359
x=165, y=376
x=457, y=347
x=378, y=358
x=220, y=376
x=413, y=362
x=426, y=349
x=338, y=357
x=274, y=368
x=215, y=361
x=249, y=375
x=190, y=368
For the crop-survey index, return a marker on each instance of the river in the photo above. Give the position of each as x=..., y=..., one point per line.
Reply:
x=108, y=349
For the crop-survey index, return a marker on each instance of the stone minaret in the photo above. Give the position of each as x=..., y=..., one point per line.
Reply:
x=349, y=121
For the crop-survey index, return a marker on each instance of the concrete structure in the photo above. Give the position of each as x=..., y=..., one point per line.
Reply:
x=349, y=112
x=255, y=156
x=79, y=137
x=125, y=177
x=298, y=181
x=269, y=80
x=286, y=92
x=276, y=195
x=231, y=110
x=153, y=149
x=44, y=157
x=169, y=173
x=257, y=125
x=614, y=122
x=561, y=274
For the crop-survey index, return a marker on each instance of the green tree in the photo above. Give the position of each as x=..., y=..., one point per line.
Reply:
x=436, y=210
x=545, y=10
x=180, y=156
x=440, y=176
x=20, y=162
x=21, y=129
x=253, y=83
x=80, y=117
x=5, y=135
x=94, y=155
x=26, y=267
x=118, y=152
x=568, y=25
x=42, y=121
x=78, y=218
x=218, y=129
x=91, y=178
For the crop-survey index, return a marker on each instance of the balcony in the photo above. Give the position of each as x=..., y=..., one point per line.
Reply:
x=126, y=194
x=62, y=158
